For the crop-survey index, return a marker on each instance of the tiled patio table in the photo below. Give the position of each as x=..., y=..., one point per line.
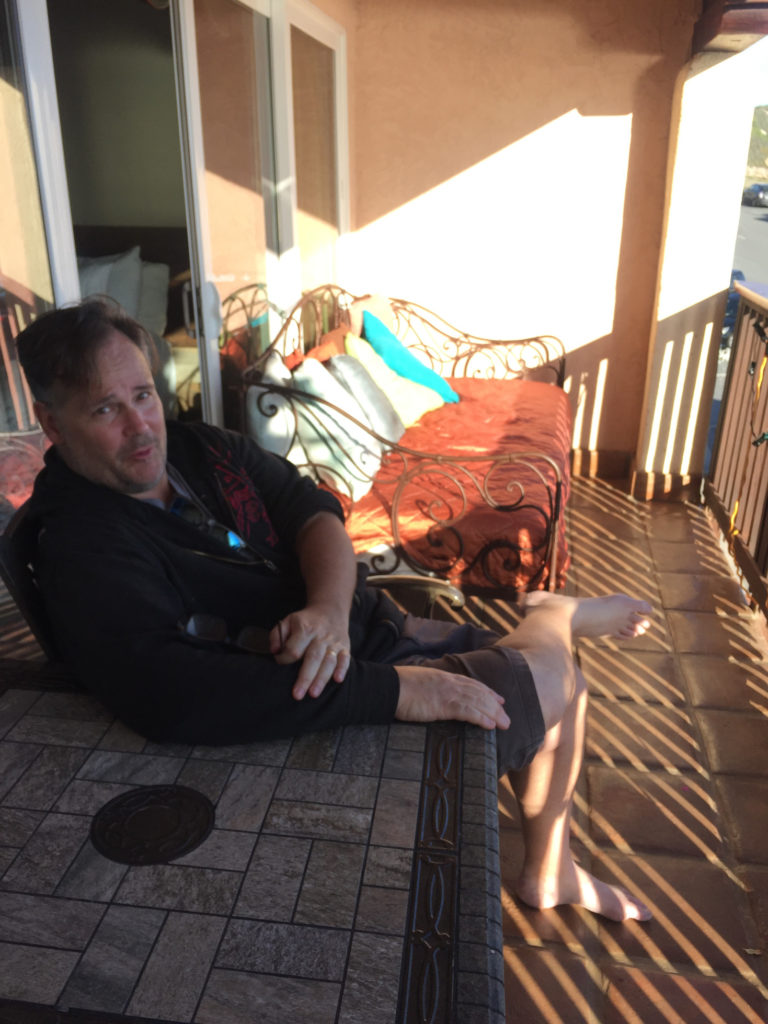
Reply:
x=349, y=877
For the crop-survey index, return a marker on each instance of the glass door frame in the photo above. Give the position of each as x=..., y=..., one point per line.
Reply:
x=204, y=296
x=45, y=126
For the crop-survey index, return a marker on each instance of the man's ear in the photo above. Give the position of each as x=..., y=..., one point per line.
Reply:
x=47, y=420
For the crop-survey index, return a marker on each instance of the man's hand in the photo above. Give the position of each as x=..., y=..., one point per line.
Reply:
x=318, y=635
x=431, y=695
x=319, y=638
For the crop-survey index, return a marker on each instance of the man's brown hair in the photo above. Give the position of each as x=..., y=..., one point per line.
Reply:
x=60, y=346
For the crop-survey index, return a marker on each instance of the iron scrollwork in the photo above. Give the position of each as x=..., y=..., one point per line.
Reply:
x=432, y=499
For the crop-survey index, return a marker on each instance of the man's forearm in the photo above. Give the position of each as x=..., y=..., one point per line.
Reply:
x=327, y=561
x=432, y=695
x=318, y=633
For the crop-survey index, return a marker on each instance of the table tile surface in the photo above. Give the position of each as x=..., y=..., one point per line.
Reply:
x=298, y=898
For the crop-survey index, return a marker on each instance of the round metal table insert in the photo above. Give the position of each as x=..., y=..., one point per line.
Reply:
x=152, y=824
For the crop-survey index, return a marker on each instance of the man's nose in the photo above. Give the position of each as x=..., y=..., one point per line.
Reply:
x=134, y=420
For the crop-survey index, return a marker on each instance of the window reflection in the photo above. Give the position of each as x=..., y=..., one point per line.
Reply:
x=314, y=125
x=25, y=280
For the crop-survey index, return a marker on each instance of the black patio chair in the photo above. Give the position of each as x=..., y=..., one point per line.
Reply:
x=17, y=548
x=418, y=594
x=415, y=593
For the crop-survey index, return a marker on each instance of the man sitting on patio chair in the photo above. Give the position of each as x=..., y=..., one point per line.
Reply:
x=207, y=593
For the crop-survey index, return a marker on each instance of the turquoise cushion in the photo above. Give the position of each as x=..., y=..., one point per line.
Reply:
x=398, y=358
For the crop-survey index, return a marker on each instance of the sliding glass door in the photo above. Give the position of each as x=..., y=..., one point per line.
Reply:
x=205, y=140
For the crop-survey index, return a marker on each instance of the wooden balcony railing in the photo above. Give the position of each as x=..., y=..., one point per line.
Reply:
x=736, y=488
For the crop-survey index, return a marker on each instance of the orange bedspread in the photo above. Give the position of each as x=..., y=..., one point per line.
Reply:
x=444, y=522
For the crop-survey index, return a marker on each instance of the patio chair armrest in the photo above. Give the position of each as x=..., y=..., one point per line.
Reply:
x=429, y=588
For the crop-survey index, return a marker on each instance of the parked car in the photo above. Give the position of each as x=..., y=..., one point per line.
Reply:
x=755, y=195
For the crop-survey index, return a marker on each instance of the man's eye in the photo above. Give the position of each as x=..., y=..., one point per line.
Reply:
x=103, y=410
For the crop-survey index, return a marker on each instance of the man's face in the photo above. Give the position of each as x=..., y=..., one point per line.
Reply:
x=113, y=431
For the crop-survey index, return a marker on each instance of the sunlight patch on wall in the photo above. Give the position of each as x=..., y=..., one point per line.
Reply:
x=524, y=242
x=237, y=231
x=677, y=401
x=597, y=406
x=317, y=246
x=676, y=407
x=698, y=249
x=581, y=402
x=658, y=408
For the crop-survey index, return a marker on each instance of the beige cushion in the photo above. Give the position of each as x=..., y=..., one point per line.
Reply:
x=411, y=400
x=376, y=304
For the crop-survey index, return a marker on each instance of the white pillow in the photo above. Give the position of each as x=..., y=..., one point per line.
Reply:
x=341, y=454
x=378, y=409
x=271, y=422
x=152, y=309
x=118, y=276
x=94, y=276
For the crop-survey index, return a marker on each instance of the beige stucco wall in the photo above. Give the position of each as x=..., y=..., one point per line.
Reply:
x=509, y=169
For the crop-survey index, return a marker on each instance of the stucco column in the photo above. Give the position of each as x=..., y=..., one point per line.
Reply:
x=707, y=166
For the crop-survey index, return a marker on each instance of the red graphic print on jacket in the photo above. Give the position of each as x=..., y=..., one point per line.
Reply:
x=244, y=501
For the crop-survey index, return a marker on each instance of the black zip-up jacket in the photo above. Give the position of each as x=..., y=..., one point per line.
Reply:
x=121, y=578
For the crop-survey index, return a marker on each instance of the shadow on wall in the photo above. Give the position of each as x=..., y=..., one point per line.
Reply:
x=676, y=418
x=444, y=85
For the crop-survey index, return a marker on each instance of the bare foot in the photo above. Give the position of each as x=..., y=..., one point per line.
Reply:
x=615, y=615
x=582, y=889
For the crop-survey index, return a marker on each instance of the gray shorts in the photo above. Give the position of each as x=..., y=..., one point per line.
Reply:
x=471, y=651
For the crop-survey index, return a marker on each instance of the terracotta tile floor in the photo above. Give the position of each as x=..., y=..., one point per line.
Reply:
x=673, y=802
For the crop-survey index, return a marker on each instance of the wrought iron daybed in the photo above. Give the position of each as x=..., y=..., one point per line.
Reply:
x=473, y=491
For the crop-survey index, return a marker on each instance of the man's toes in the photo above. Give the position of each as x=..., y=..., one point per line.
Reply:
x=635, y=910
x=637, y=625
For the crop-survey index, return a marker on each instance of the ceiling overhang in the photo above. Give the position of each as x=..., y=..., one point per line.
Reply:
x=730, y=25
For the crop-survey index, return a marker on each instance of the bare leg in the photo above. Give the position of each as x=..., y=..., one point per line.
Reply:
x=613, y=615
x=545, y=788
x=544, y=792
